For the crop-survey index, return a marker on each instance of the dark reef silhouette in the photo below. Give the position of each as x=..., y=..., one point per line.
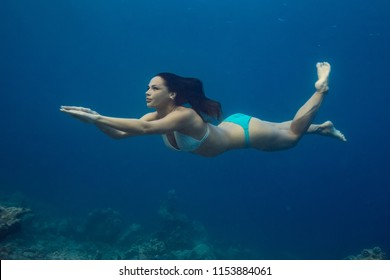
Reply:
x=104, y=234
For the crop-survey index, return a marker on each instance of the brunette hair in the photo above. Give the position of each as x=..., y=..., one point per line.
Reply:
x=190, y=90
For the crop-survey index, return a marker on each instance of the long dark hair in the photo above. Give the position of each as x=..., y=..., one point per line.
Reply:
x=190, y=90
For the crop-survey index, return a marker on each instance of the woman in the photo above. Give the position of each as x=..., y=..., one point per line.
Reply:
x=185, y=128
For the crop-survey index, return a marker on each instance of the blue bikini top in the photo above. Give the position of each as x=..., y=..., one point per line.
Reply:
x=184, y=142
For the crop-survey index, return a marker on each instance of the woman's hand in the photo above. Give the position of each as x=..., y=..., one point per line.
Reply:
x=83, y=114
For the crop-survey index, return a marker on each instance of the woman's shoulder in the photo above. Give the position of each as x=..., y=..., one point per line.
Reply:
x=184, y=109
x=149, y=117
x=180, y=111
x=187, y=112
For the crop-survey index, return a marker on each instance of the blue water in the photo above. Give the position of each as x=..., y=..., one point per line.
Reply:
x=324, y=199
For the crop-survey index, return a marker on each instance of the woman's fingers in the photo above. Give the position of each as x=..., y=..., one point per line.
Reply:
x=79, y=114
x=71, y=108
x=72, y=112
x=77, y=108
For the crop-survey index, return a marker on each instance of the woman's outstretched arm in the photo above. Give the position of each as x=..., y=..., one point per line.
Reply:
x=119, y=134
x=124, y=127
x=111, y=132
x=176, y=120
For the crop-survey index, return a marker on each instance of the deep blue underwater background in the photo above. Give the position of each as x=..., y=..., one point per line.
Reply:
x=324, y=199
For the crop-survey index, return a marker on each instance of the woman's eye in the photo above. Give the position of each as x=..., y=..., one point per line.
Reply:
x=152, y=88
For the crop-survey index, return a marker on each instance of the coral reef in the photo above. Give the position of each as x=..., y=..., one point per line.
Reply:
x=178, y=237
x=104, y=225
x=104, y=234
x=375, y=253
x=149, y=250
x=177, y=230
x=10, y=220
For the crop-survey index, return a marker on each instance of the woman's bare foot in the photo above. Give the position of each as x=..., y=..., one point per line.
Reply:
x=328, y=129
x=323, y=71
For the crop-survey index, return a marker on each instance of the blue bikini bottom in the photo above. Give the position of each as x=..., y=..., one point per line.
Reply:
x=243, y=121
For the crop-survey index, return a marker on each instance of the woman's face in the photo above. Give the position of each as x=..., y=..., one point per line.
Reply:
x=158, y=95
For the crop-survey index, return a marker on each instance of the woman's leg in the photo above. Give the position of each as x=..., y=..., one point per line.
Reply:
x=305, y=115
x=325, y=129
x=272, y=136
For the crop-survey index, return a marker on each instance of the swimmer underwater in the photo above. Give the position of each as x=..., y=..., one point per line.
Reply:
x=185, y=128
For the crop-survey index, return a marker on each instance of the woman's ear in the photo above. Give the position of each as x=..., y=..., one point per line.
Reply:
x=172, y=95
